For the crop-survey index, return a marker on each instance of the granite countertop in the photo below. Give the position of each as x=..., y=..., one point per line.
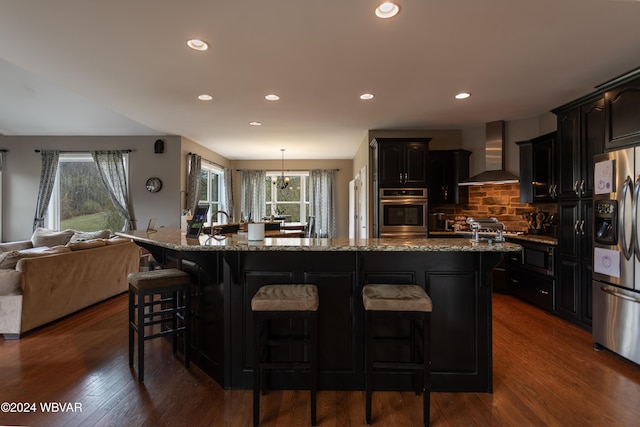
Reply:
x=174, y=238
x=537, y=238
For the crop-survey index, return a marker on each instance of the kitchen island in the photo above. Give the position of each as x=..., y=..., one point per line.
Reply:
x=227, y=272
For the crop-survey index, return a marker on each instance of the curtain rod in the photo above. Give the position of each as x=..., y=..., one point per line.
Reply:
x=207, y=160
x=84, y=151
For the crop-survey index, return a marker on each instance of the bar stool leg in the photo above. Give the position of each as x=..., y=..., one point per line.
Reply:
x=313, y=359
x=368, y=364
x=141, y=332
x=426, y=354
x=187, y=326
x=131, y=321
x=175, y=307
x=256, y=369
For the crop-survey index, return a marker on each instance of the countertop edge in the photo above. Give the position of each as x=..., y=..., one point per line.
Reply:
x=169, y=239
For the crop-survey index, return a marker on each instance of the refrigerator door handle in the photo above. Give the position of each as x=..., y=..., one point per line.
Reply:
x=627, y=250
x=619, y=295
x=634, y=227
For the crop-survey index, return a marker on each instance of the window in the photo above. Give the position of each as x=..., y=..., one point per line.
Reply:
x=211, y=181
x=80, y=199
x=291, y=203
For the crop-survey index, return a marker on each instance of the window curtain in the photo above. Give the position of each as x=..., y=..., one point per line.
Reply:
x=227, y=192
x=111, y=168
x=322, y=201
x=47, y=180
x=194, y=169
x=253, y=194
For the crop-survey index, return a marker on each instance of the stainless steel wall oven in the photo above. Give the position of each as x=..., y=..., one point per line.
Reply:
x=403, y=212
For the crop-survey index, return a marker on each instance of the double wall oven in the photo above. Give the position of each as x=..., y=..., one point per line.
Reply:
x=403, y=212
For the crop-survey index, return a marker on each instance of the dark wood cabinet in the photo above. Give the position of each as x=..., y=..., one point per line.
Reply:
x=575, y=260
x=537, y=180
x=402, y=162
x=623, y=111
x=533, y=288
x=526, y=279
x=446, y=169
x=580, y=137
x=567, y=149
x=592, y=141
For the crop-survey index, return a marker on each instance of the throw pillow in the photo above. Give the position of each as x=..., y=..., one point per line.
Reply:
x=80, y=236
x=86, y=244
x=50, y=238
x=8, y=260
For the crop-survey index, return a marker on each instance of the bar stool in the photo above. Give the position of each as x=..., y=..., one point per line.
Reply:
x=290, y=302
x=409, y=302
x=171, y=310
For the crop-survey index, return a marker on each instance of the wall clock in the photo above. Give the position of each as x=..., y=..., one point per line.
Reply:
x=154, y=185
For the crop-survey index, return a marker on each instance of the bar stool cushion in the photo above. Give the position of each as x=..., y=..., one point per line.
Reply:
x=378, y=297
x=158, y=278
x=286, y=298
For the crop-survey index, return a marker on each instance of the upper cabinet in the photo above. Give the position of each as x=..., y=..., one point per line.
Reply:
x=580, y=137
x=537, y=182
x=622, y=105
x=402, y=162
x=446, y=169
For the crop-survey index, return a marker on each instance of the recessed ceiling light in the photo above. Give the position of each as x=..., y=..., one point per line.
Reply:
x=197, y=44
x=463, y=95
x=205, y=97
x=367, y=96
x=272, y=97
x=387, y=10
x=255, y=123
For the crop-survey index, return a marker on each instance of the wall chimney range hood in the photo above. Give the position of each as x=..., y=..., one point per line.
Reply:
x=494, y=172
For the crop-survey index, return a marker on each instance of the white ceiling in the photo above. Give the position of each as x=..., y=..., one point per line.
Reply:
x=121, y=67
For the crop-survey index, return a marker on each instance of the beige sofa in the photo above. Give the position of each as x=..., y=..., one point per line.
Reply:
x=52, y=283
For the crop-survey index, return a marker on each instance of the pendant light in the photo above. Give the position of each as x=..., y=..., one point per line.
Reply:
x=282, y=181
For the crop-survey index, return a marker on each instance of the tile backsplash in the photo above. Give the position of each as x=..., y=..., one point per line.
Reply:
x=501, y=201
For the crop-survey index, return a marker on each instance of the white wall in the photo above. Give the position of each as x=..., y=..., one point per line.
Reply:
x=22, y=176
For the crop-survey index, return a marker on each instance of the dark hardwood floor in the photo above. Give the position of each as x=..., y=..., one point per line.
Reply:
x=546, y=373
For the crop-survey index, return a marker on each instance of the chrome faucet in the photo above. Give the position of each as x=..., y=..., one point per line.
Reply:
x=213, y=215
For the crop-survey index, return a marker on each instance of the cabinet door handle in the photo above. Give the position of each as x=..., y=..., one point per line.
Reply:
x=582, y=189
x=401, y=175
x=576, y=226
x=550, y=191
x=543, y=292
x=575, y=188
x=406, y=176
x=446, y=193
x=582, y=227
x=555, y=190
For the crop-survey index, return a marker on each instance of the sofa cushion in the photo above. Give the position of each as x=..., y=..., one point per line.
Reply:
x=86, y=244
x=8, y=260
x=80, y=236
x=15, y=246
x=116, y=240
x=50, y=238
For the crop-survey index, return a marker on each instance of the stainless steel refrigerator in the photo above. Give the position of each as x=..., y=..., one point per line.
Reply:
x=616, y=252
